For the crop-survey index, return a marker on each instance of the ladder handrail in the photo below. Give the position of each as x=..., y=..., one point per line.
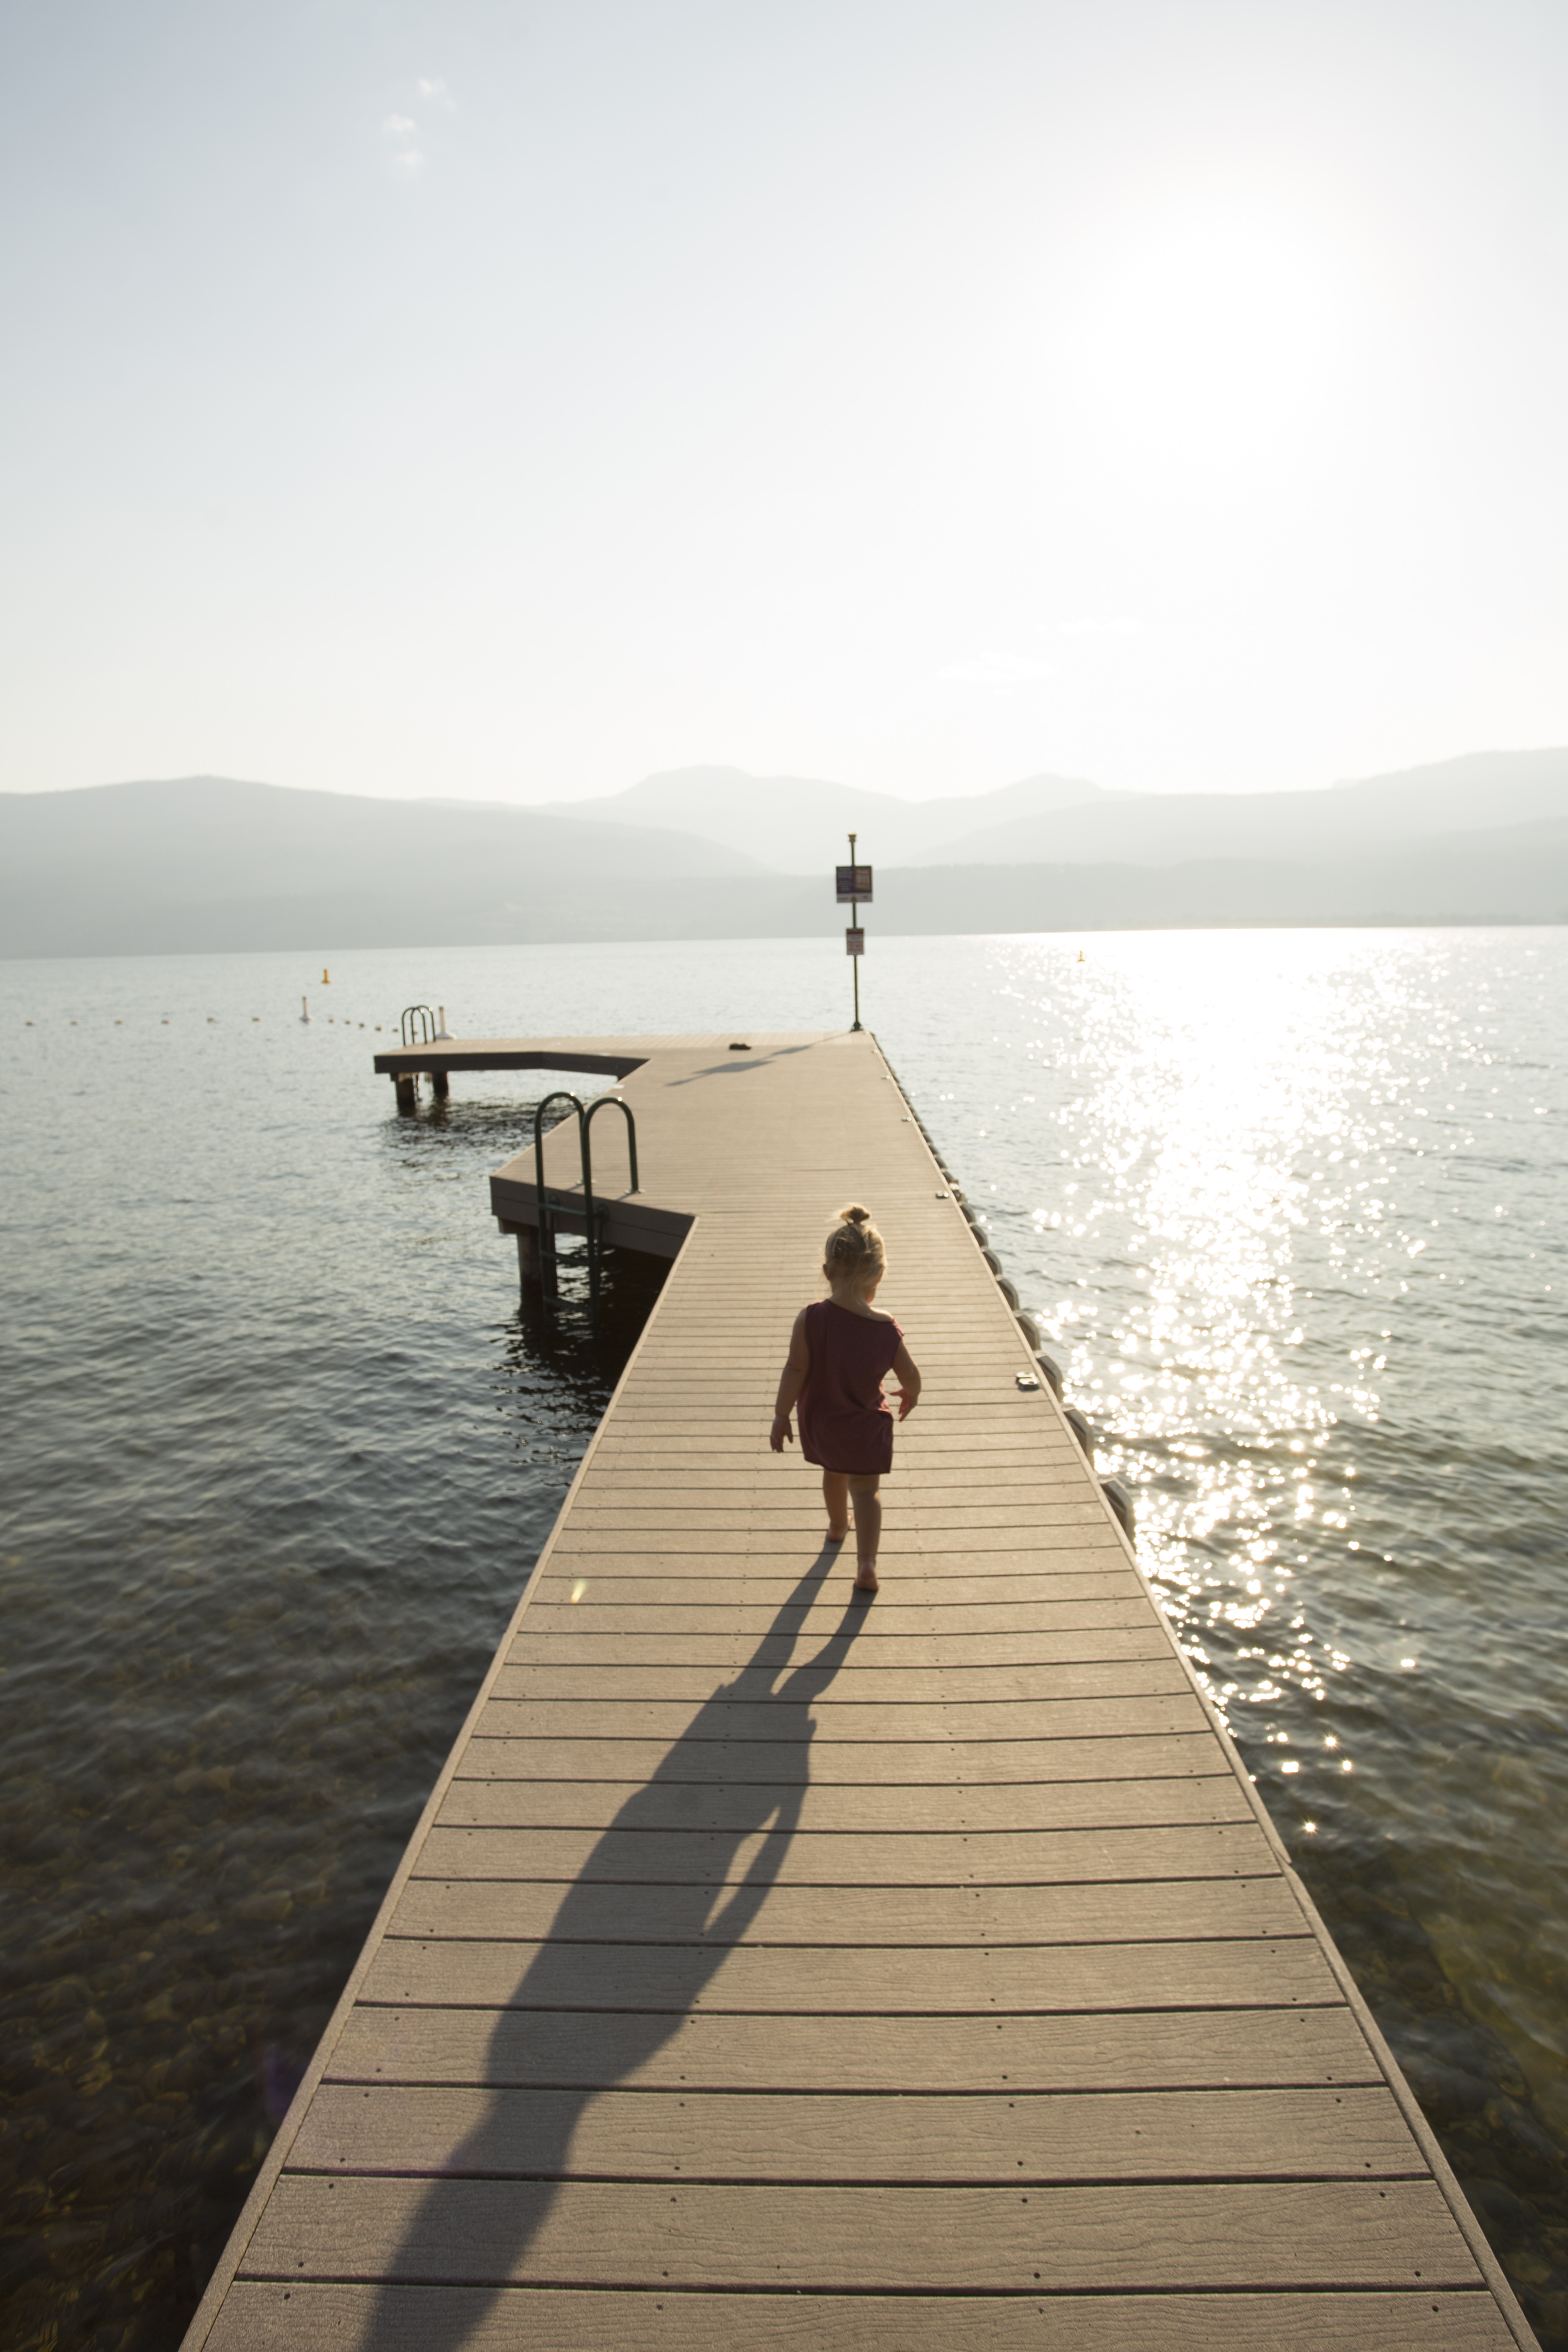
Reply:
x=417, y=1016
x=589, y=1115
x=560, y=1095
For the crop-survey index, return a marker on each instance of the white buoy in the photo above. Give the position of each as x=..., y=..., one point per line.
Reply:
x=305, y=1008
x=444, y=1030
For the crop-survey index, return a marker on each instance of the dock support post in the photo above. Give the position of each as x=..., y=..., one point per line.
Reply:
x=440, y=1085
x=407, y=1084
x=530, y=1265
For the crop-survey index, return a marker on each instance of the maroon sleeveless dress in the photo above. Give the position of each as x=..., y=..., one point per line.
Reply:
x=845, y=1423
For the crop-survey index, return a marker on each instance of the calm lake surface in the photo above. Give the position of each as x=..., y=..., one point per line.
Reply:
x=282, y=1447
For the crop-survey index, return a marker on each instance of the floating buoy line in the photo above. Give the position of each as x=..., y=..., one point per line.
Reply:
x=215, y=1019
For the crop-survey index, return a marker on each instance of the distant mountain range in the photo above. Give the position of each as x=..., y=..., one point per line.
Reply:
x=206, y=863
x=788, y=822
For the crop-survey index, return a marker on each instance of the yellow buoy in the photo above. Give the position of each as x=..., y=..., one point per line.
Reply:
x=326, y=977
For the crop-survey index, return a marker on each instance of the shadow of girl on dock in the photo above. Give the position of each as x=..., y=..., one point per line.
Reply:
x=670, y=1943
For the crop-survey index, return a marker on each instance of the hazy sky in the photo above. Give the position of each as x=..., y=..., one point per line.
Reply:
x=507, y=400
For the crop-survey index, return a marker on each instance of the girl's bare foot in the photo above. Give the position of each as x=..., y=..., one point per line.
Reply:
x=865, y=1577
x=837, y=1535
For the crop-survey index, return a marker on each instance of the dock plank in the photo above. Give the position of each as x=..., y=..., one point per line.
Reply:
x=259, y=2316
x=977, y=1721
x=854, y=1687
x=1098, y=2050
x=547, y=1794
x=787, y=1856
x=722, y=1974
x=1027, y=2140
x=859, y=1918
x=1322, y=2233
x=577, y=1645
x=1188, y=1752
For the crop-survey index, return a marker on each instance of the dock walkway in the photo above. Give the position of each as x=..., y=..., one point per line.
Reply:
x=772, y=1969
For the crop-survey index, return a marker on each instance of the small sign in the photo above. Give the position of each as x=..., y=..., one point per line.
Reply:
x=854, y=941
x=854, y=882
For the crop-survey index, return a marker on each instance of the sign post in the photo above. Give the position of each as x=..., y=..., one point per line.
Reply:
x=854, y=886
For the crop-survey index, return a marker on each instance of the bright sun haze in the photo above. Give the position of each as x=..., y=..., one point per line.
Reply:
x=505, y=401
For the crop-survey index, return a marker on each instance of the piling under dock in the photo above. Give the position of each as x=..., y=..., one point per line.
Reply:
x=772, y=1967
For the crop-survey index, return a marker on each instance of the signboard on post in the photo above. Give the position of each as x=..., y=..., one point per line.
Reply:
x=854, y=887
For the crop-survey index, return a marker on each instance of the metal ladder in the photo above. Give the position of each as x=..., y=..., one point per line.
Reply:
x=552, y=1204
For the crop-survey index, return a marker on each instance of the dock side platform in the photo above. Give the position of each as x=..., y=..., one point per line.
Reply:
x=776, y=1969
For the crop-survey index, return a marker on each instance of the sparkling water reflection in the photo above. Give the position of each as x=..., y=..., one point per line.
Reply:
x=283, y=1448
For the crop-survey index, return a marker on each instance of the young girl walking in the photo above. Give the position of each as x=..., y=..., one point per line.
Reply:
x=839, y=1352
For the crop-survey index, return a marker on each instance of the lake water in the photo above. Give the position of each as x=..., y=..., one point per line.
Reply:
x=282, y=1448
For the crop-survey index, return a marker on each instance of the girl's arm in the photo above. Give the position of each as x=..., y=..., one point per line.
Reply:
x=791, y=1380
x=908, y=1373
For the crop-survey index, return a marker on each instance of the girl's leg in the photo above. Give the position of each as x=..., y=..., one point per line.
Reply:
x=836, y=1495
x=868, y=1530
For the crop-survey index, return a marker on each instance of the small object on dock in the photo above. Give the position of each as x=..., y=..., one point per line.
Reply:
x=942, y=1196
x=1028, y=1380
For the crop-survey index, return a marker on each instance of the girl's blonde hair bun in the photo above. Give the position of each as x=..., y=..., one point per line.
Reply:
x=855, y=1248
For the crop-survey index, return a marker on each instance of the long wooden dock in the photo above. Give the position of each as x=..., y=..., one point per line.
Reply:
x=772, y=1969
